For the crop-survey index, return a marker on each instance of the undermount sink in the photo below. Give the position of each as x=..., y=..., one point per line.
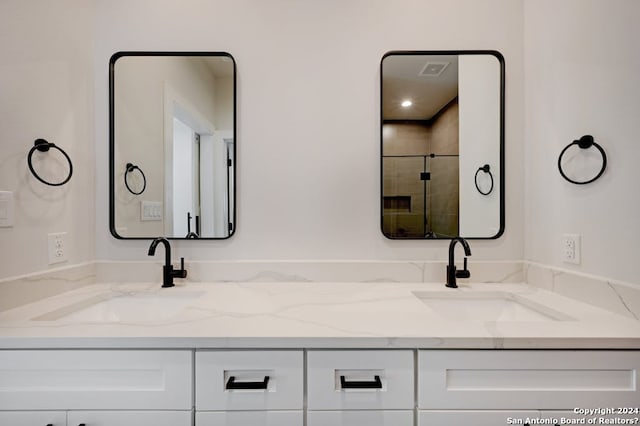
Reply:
x=134, y=307
x=487, y=306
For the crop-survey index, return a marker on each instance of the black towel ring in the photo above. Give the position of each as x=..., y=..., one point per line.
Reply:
x=44, y=146
x=487, y=169
x=584, y=142
x=129, y=169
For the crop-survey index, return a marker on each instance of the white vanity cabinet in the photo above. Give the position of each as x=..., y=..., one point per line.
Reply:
x=472, y=417
x=615, y=416
x=129, y=418
x=33, y=418
x=312, y=387
x=357, y=387
x=250, y=387
x=252, y=418
x=95, y=418
x=456, y=387
x=96, y=387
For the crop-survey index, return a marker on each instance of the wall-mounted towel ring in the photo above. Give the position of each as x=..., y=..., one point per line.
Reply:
x=487, y=169
x=129, y=169
x=44, y=146
x=584, y=142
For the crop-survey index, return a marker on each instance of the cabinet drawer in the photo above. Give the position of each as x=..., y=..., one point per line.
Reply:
x=360, y=379
x=252, y=418
x=544, y=379
x=360, y=417
x=249, y=380
x=87, y=379
x=475, y=418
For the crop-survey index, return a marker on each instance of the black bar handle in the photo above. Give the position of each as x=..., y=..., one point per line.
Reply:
x=356, y=384
x=232, y=384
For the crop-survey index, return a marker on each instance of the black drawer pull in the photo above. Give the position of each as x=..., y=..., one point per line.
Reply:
x=232, y=384
x=375, y=384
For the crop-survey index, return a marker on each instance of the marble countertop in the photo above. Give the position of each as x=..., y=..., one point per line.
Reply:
x=304, y=315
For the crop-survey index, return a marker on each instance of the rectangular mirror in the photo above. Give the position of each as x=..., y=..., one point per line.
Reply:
x=442, y=144
x=172, y=144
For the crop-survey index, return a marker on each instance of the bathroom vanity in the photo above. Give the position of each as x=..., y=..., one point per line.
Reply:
x=314, y=353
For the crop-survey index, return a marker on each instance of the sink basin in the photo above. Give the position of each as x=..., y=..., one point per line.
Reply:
x=487, y=306
x=135, y=307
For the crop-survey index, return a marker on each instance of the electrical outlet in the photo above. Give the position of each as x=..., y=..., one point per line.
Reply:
x=571, y=248
x=57, y=247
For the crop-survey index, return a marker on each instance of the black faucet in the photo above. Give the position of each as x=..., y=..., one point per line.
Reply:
x=452, y=273
x=168, y=273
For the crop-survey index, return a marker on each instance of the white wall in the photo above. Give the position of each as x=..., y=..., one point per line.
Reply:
x=582, y=76
x=308, y=105
x=46, y=91
x=223, y=97
x=308, y=141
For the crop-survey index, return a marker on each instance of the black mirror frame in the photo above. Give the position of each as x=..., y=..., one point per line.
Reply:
x=500, y=59
x=112, y=62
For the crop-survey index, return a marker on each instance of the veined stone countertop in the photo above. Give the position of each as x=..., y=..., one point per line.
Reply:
x=304, y=315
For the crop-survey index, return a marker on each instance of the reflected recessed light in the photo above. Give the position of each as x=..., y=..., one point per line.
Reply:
x=406, y=104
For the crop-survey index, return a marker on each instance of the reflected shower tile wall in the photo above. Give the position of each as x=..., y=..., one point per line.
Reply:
x=621, y=298
x=444, y=189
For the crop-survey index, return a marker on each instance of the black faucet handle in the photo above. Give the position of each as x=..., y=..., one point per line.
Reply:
x=182, y=273
x=465, y=272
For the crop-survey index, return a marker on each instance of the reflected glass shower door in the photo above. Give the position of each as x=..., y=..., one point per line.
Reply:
x=403, y=195
x=443, y=196
x=420, y=196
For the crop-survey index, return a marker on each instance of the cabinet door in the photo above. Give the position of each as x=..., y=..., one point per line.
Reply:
x=129, y=418
x=33, y=418
x=476, y=418
x=361, y=418
x=526, y=379
x=95, y=380
x=250, y=418
x=607, y=416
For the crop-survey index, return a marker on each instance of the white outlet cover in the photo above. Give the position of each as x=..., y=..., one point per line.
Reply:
x=571, y=252
x=57, y=247
x=150, y=210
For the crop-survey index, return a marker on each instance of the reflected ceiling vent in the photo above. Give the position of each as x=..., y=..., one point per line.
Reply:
x=433, y=69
